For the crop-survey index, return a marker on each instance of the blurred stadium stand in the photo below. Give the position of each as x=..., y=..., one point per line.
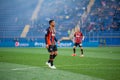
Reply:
x=101, y=24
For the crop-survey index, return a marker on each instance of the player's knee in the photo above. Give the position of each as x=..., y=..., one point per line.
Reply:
x=51, y=53
x=51, y=59
x=74, y=47
x=55, y=52
x=81, y=47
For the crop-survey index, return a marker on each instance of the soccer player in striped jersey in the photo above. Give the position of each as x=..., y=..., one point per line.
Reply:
x=51, y=40
x=78, y=38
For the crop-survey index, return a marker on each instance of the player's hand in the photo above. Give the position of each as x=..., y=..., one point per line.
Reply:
x=47, y=46
x=83, y=38
x=58, y=42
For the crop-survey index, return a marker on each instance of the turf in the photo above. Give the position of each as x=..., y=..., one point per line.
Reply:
x=98, y=63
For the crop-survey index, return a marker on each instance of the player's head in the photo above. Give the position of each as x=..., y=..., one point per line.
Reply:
x=52, y=23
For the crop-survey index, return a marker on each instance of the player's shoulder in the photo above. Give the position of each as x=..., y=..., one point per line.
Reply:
x=47, y=30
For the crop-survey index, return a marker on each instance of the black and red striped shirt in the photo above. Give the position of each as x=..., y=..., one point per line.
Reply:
x=78, y=37
x=50, y=38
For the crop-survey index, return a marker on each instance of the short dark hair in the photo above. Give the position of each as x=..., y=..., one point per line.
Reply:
x=51, y=21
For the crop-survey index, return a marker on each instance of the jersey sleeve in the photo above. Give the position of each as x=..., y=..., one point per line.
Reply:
x=55, y=39
x=46, y=35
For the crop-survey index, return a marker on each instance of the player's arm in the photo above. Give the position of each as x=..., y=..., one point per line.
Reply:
x=46, y=35
x=74, y=38
x=56, y=39
x=83, y=37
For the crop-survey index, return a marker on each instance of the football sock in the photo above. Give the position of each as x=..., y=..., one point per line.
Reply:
x=74, y=50
x=48, y=61
x=51, y=60
x=54, y=56
x=81, y=51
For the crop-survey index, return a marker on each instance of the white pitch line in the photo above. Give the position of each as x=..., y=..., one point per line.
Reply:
x=24, y=68
x=27, y=68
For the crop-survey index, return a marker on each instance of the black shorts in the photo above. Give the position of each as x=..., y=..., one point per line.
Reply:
x=78, y=44
x=52, y=48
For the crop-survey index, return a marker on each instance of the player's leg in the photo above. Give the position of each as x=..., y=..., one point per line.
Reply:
x=51, y=58
x=81, y=48
x=55, y=51
x=74, y=49
x=54, y=55
x=50, y=61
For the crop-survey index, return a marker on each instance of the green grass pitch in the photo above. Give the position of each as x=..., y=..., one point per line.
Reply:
x=102, y=63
